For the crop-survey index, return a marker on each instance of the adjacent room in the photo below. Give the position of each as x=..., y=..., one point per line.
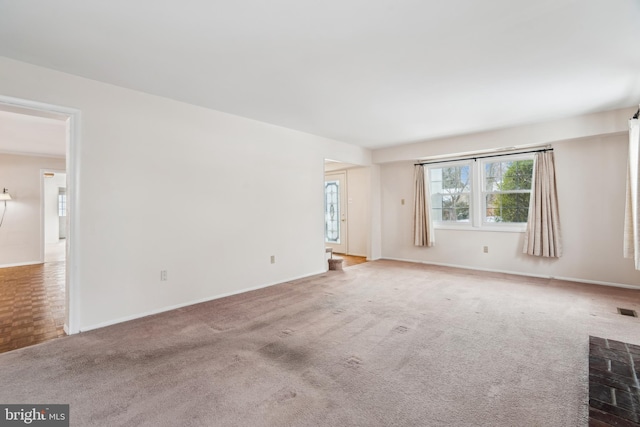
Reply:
x=342, y=213
x=33, y=226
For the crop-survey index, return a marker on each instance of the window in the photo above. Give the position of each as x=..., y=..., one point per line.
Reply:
x=62, y=203
x=481, y=193
x=451, y=193
x=507, y=189
x=332, y=211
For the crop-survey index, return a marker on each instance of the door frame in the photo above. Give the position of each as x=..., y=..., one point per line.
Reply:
x=72, y=291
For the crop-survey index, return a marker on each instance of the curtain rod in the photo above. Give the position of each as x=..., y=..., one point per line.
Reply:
x=481, y=157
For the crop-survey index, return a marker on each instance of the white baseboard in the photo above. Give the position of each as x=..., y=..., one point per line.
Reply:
x=519, y=273
x=186, y=304
x=21, y=264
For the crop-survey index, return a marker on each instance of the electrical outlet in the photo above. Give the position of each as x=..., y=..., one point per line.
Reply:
x=163, y=275
x=485, y=249
x=273, y=259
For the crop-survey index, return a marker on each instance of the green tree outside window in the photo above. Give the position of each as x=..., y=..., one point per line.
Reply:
x=508, y=187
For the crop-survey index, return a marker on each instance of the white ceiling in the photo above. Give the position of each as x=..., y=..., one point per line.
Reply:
x=30, y=132
x=371, y=72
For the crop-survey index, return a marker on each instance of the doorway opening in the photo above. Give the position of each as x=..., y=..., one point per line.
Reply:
x=346, y=211
x=335, y=212
x=38, y=156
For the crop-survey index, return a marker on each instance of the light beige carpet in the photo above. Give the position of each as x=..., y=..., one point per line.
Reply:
x=380, y=344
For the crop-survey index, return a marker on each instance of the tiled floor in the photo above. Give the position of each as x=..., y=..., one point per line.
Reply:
x=614, y=391
x=32, y=304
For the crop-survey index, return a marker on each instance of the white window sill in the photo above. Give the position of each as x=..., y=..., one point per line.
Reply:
x=506, y=228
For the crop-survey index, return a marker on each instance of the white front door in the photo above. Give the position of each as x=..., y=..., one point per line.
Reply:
x=335, y=211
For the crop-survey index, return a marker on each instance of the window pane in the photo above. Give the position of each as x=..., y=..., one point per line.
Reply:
x=522, y=200
x=521, y=214
x=436, y=213
x=450, y=187
x=462, y=214
x=491, y=176
x=510, y=183
x=461, y=201
x=449, y=178
x=436, y=201
x=62, y=204
x=506, y=175
x=492, y=201
x=517, y=176
x=332, y=212
x=507, y=207
x=455, y=178
x=507, y=214
x=491, y=214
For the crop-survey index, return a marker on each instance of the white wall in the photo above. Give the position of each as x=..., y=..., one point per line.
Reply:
x=20, y=241
x=358, y=197
x=597, y=124
x=591, y=175
x=164, y=185
x=375, y=219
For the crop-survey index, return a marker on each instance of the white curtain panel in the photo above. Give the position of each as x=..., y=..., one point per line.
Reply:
x=422, y=224
x=632, y=217
x=542, y=237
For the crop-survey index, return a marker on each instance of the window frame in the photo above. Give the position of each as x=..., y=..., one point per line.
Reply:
x=454, y=225
x=477, y=200
x=516, y=226
x=62, y=204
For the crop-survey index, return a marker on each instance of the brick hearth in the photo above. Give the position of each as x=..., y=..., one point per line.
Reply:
x=614, y=390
